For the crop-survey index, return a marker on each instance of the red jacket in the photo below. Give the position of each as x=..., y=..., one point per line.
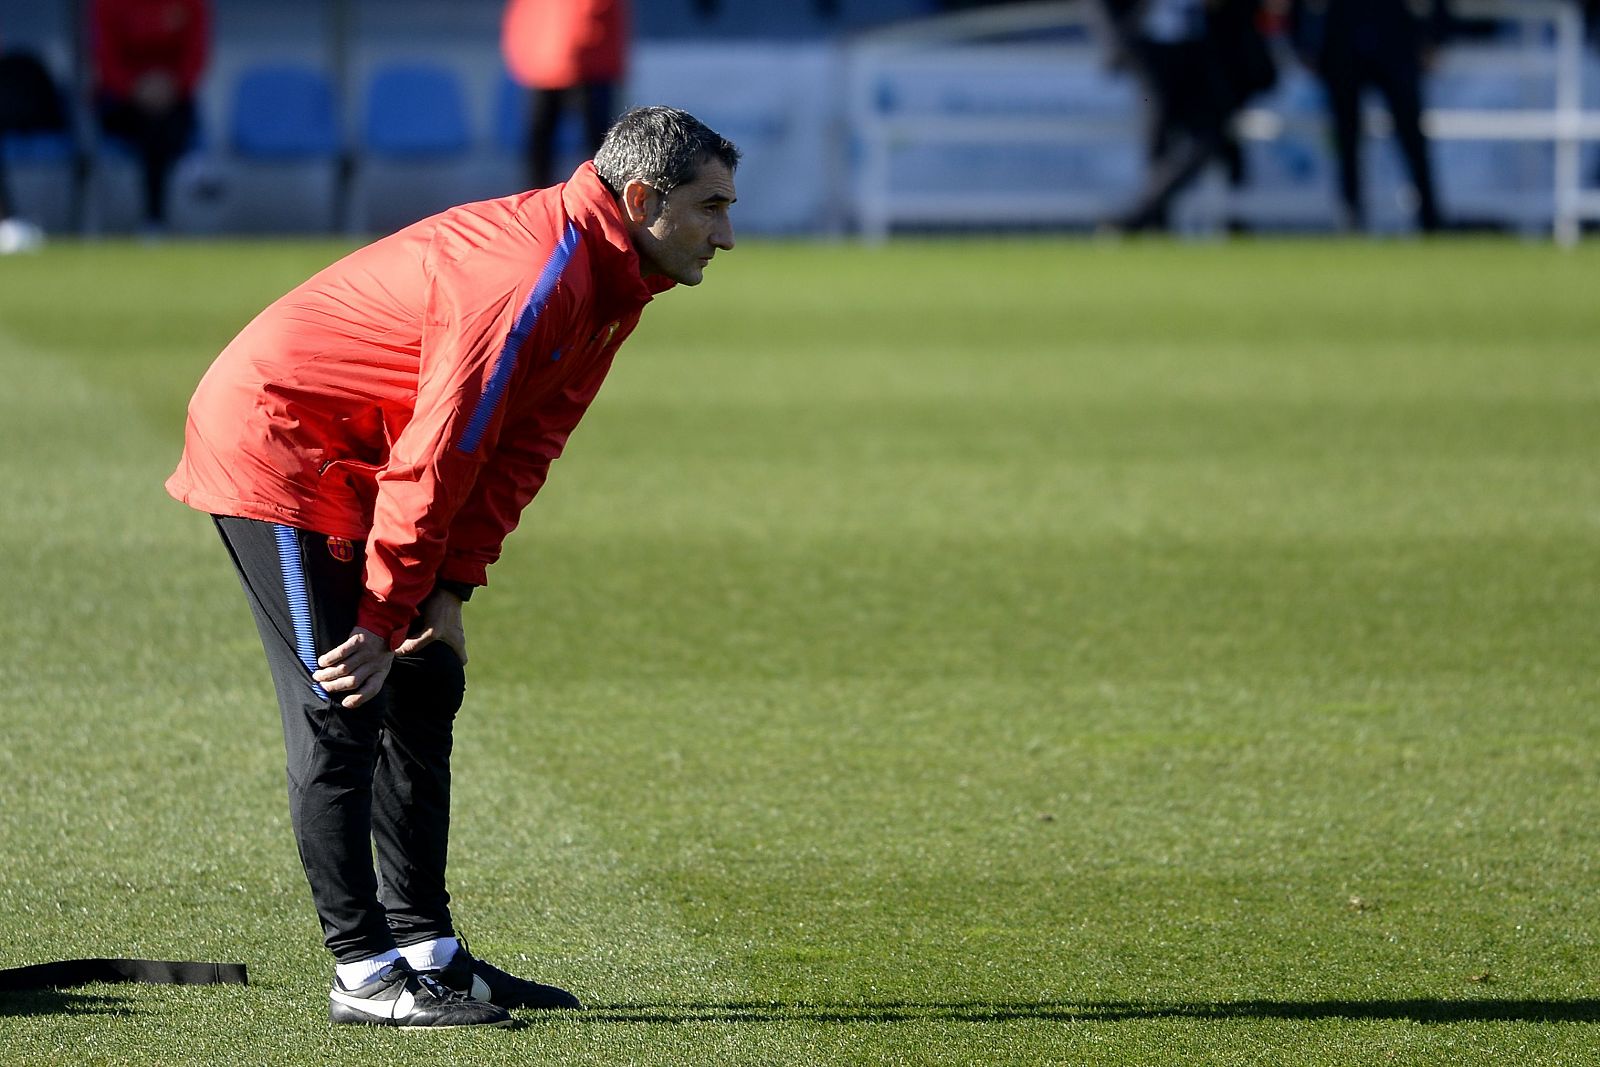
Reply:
x=134, y=37
x=556, y=44
x=414, y=393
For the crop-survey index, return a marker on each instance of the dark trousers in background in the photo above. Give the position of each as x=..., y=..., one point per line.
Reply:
x=158, y=138
x=1397, y=75
x=373, y=779
x=593, y=102
x=1188, y=116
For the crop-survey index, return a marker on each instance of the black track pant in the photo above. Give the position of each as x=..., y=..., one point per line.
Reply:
x=362, y=781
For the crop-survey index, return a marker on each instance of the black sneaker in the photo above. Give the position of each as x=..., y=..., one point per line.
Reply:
x=485, y=982
x=401, y=997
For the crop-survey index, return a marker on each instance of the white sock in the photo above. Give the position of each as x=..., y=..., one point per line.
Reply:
x=359, y=973
x=430, y=955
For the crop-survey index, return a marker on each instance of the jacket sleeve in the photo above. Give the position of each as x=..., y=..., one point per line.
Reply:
x=471, y=337
x=511, y=478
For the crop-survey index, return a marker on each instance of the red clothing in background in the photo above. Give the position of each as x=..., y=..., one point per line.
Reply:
x=414, y=393
x=557, y=44
x=132, y=38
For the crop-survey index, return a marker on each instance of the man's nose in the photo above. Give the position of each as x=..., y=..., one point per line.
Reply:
x=722, y=236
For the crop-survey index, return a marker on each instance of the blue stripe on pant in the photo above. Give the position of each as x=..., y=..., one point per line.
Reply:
x=292, y=567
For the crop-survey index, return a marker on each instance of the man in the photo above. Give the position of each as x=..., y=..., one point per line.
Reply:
x=149, y=56
x=1384, y=44
x=365, y=444
x=29, y=103
x=1198, y=62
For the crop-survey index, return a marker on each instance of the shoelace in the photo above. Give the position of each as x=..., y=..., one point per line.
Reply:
x=438, y=989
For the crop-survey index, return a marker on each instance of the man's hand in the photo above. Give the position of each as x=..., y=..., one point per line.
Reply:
x=356, y=668
x=438, y=619
x=155, y=92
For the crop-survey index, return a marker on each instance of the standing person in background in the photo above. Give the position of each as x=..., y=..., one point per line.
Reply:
x=1384, y=44
x=29, y=103
x=148, y=58
x=571, y=55
x=1198, y=62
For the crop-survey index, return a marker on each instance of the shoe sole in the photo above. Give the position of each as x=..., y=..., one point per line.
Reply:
x=352, y=1017
x=392, y=1024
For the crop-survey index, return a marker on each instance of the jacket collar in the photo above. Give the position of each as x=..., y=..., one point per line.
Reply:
x=590, y=204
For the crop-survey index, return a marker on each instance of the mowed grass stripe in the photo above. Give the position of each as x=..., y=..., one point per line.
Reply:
x=948, y=653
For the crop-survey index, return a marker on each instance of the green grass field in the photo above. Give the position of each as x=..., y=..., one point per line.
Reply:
x=1033, y=652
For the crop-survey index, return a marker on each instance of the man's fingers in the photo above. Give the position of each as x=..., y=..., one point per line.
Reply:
x=422, y=639
x=356, y=668
x=340, y=653
x=370, y=686
x=358, y=688
x=455, y=640
x=342, y=683
x=360, y=646
x=329, y=674
x=361, y=696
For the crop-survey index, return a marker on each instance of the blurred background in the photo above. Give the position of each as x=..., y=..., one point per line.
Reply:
x=864, y=117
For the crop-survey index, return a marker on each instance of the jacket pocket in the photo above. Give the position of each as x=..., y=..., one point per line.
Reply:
x=349, y=485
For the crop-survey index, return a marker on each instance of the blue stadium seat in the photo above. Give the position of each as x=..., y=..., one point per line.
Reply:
x=510, y=115
x=284, y=122
x=48, y=157
x=415, y=111
x=284, y=112
x=42, y=148
x=415, y=146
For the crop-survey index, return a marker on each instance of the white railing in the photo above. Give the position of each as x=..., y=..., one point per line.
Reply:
x=1033, y=76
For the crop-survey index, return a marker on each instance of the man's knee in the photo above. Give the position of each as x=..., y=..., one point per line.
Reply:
x=431, y=682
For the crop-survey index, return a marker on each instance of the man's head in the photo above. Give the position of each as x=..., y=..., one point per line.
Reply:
x=673, y=177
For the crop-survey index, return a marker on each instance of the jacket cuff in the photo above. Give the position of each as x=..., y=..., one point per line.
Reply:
x=462, y=570
x=388, y=621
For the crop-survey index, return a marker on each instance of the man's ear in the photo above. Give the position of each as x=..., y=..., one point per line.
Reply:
x=641, y=202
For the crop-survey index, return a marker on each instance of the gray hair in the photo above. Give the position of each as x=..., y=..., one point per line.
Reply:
x=660, y=146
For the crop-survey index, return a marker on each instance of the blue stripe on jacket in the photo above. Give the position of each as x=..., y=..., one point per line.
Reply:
x=505, y=366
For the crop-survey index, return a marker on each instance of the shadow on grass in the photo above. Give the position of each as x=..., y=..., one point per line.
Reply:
x=1417, y=1011
x=59, y=1002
